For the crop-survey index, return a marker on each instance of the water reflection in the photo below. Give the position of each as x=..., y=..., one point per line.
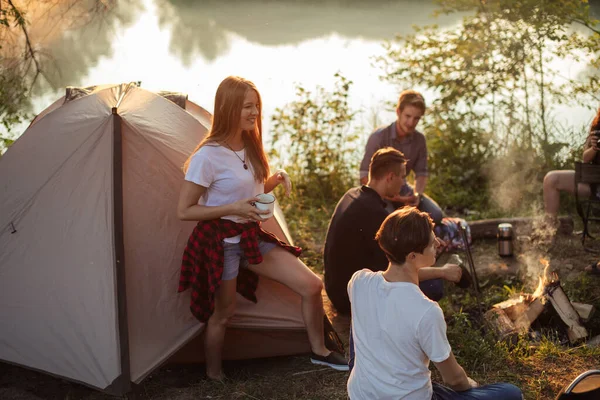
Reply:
x=191, y=45
x=205, y=27
x=73, y=39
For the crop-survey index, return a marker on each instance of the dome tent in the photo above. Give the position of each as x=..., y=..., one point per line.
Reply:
x=90, y=244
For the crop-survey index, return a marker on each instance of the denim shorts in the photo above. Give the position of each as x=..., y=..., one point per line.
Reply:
x=234, y=256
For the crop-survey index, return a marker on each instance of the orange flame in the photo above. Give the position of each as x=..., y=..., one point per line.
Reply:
x=543, y=279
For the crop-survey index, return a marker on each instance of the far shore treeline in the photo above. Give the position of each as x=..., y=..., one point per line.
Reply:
x=493, y=92
x=491, y=127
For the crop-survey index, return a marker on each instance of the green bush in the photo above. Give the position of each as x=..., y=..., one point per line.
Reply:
x=458, y=156
x=313, y=140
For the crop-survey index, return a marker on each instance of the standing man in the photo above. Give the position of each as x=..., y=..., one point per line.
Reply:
x=350, y=243
x=403, y=136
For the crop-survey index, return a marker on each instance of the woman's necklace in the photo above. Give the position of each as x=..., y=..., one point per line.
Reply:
x=236, y=154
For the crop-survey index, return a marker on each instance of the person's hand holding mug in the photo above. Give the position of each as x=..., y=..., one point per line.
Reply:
x=265, y=203
x=247, y=209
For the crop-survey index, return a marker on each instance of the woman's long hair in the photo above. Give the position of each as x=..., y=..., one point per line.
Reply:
x=229, y=101
x=595, y=126
x=596, y=122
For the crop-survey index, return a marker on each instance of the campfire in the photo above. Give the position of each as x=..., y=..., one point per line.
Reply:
x=515, y=316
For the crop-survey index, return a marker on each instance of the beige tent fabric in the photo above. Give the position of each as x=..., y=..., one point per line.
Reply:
x=57, y=303
x=58, y=297
x=157, y=135
x=178, y=98
x=199, y=113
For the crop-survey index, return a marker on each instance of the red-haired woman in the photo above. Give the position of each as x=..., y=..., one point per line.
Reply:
x=223, y=175
x=557, y=181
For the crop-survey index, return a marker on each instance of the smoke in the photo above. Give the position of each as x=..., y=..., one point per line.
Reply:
x=532, y=268
x=514, y=183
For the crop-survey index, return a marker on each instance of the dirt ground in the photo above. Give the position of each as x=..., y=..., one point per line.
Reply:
x=294, y=377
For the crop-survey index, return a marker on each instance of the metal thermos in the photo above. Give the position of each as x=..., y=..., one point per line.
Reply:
x=505, y=240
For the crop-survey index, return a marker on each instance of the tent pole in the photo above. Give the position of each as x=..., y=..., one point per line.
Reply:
x=122, y=384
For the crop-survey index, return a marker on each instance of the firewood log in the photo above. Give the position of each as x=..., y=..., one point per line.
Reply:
x=566, y=312
x=512, y=307
x=524, y=320
x=500, y=324
x=488, y=228
x=585, y=311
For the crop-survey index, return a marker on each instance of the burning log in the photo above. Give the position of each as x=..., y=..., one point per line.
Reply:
x=565, y=311
x=524, y=320
x=512, y=307
x=500, y=323
x=515, y=316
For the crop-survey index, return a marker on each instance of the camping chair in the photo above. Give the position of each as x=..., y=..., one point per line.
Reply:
x=587, y=207
x=585, y=387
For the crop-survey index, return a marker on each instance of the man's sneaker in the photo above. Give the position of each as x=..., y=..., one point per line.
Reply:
x=334, y=360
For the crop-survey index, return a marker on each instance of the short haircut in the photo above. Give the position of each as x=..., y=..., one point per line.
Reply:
x=386, y=160
x=404, y=231
x=411, y=98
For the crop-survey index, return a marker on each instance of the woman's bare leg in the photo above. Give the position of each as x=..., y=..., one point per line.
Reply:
x=214, y=334
x=554, y=183
x=284, y=267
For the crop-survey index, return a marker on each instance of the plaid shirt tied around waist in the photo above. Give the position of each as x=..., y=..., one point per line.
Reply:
x=203, y=261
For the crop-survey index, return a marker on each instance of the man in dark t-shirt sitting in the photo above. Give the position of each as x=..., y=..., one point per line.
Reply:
x=350, y=244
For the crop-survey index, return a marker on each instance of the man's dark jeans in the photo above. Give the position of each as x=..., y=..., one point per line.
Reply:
x=495, y=391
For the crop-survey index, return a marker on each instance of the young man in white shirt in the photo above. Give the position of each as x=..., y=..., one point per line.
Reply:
x=397, y=329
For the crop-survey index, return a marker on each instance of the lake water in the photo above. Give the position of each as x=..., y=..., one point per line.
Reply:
x=190, y=46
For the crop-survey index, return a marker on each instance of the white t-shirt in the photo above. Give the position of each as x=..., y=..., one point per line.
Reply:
x=396, y=331
x=219, y=170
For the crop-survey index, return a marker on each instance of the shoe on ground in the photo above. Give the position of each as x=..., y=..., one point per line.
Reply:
x=333, y=360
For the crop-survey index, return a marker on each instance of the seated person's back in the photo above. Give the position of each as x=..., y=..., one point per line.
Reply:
x=350, y=243
x=396, y=328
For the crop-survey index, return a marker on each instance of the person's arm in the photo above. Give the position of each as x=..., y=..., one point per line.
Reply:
x=188, y=208
x=590, y=149
x=373, y=144
x=431, y=333
x=420, y=183
x=279, y=177
x=449, y=272
x=454, y=375
x=420, y=168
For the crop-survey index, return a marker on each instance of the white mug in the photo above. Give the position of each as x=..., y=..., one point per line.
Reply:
x=265, y=202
